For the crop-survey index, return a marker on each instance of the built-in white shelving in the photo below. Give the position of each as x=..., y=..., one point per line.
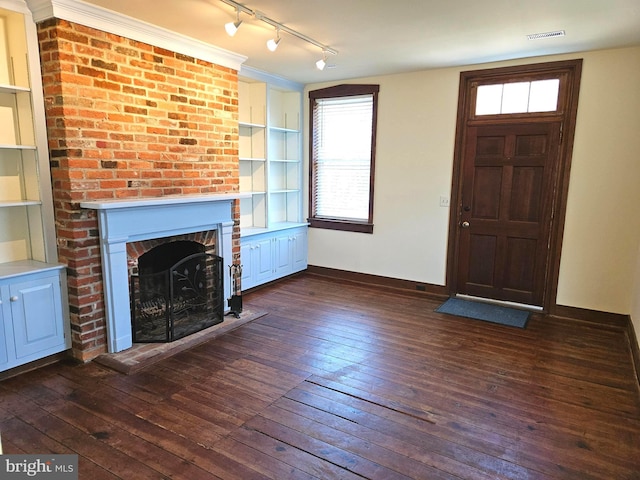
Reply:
x=33, y=319
x=273, y=232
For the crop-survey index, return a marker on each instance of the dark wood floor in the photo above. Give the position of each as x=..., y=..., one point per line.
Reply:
x=351, y=382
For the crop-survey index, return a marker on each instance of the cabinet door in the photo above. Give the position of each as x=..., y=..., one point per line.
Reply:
x=257, y=262
x=262, y=256
x=36, y=309
x=248, y=275
x=283, y=254
x=299, y=247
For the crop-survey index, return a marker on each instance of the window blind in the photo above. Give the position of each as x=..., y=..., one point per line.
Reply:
x=342, y=157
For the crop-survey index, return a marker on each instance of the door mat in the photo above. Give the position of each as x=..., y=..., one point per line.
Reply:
x=511, y=317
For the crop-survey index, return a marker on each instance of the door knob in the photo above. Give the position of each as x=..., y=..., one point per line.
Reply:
x=465, y=224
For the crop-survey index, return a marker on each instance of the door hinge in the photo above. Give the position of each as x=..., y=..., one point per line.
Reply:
x=561, y=132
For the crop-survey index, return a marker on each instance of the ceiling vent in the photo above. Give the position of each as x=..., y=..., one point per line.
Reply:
x=536, y=36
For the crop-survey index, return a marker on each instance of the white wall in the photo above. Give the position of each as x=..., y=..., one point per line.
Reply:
x=415, y=139
x=416, y=129
x=602, y=229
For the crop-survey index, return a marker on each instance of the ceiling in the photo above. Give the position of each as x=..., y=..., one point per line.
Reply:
x=375, y=37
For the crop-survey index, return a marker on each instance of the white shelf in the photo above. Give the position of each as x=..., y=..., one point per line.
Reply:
x=251, y=125
x=284, y=190
x=283, y=130
x=16, y=269
x=161, y=201
x=19, y=203
x=284, y=160
x=17, y=147
x=13, y=89
x=274, y=227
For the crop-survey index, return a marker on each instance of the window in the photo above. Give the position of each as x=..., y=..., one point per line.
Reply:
x=518, y=97
x=343, y=139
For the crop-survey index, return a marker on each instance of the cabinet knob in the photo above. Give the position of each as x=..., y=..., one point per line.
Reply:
x=14, y=298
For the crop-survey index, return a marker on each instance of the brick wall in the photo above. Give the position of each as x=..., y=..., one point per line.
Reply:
x=126, y=119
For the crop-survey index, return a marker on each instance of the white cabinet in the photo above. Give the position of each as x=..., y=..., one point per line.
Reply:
x=270, y=151
x=257, y=261
x=32, y=314
x=272, y=255
x=290, y=251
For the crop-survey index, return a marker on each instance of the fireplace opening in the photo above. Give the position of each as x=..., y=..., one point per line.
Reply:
x=176, y=291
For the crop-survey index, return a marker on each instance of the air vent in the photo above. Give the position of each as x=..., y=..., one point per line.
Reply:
x=536, y=36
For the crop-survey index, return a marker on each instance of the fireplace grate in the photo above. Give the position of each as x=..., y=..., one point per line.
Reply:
x=176, y=302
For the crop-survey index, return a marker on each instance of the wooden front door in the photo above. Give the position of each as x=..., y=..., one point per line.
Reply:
x=508, y=178
x=510, y=182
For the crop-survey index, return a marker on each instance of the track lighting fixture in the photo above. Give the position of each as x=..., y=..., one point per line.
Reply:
x=232, y=27
x=272, y=44
x=320, y=64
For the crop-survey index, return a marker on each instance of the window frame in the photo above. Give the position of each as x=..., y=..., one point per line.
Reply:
x=345, y=90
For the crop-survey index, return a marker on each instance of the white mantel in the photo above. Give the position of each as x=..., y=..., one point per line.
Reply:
x=132, y=220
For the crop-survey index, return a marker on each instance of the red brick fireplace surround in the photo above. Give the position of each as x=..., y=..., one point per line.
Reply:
x=127, y=120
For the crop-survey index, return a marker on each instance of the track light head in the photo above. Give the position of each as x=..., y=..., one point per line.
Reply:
x=272, y=44
x=320, y=64
x=232, y=27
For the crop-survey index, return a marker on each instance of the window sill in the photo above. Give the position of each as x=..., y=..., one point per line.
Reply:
x=344, y=225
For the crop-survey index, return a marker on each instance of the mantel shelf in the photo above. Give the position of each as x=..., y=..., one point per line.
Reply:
x=160, y=201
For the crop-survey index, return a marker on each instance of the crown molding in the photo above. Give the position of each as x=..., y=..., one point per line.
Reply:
x=109, y=21
x=274, y=80
x=15, y=6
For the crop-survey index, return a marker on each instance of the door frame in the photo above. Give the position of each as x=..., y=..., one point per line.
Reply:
x=569, y=73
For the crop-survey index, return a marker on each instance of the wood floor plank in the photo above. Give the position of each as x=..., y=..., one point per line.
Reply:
x=313, y=465
x=262, y=462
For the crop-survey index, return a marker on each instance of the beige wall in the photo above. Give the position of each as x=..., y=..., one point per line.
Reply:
x=417, y=118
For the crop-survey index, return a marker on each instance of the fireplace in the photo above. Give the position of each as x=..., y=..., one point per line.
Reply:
x=176, y=290
x=122, y=222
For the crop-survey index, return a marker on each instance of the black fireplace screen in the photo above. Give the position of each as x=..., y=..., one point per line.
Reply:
x=171, y=303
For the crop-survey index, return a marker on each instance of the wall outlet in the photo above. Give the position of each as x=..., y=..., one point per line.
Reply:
x=444, y=201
